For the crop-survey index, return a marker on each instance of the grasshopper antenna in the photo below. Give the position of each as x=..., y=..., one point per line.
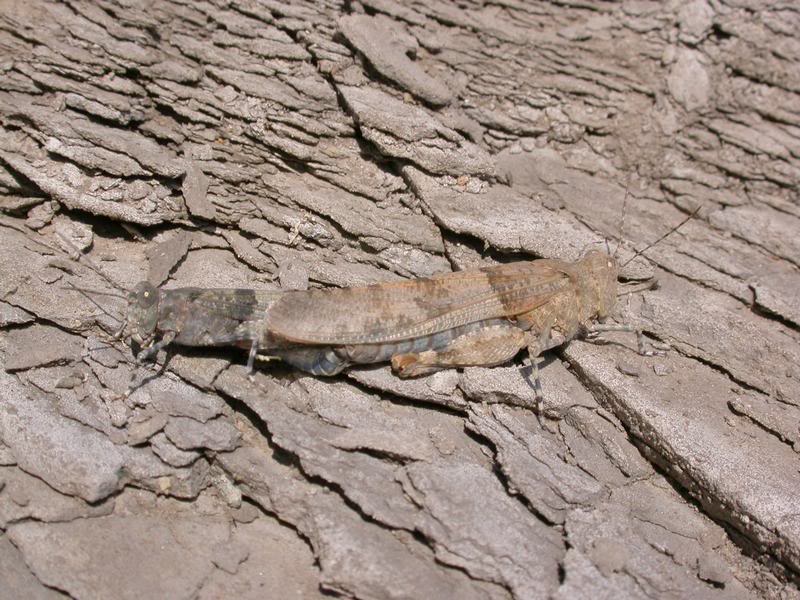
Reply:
x=96, y=292
x=670, y=232
x=78, y=255
x=85, y=293
x=622, y=223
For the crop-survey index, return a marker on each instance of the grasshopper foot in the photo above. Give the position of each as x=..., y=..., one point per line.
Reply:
x=251, y=360
x=649, y=349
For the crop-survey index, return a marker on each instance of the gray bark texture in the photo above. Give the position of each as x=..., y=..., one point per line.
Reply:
x=317, y=143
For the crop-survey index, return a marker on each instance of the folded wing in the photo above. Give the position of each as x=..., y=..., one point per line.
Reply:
x=397, y=311
x=237, y=304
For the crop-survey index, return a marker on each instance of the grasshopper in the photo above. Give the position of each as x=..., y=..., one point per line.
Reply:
x=481, y=316
x=477, y=317
x=190, y=317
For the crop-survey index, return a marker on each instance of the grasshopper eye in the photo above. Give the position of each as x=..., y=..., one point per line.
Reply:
x=146, y=295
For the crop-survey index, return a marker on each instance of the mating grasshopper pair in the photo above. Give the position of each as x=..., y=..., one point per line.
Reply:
x=477, y=317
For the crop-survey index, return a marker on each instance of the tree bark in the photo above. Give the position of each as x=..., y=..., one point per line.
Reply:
x=275, y=145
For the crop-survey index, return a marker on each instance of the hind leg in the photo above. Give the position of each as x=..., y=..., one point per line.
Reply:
x=537, y=344
x=487, y=346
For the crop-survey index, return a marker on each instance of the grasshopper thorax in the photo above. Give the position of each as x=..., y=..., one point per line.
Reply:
x=142, y=313
x=599, y=283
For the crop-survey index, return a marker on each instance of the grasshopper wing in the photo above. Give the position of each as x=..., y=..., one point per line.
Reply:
x=237, y=304
x=215, y=317
x=396, y=311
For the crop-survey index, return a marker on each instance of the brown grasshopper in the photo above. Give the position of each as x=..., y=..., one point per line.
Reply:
x=481, y=316
x=478, y=317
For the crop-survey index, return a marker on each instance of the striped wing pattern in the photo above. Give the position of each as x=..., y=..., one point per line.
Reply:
x=398, y=311
x=234, y=303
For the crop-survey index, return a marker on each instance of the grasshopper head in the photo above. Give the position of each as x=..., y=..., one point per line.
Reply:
x=602, y=271
x=140, y=325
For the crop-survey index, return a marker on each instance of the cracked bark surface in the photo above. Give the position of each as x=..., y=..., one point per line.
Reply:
x=252, y=143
